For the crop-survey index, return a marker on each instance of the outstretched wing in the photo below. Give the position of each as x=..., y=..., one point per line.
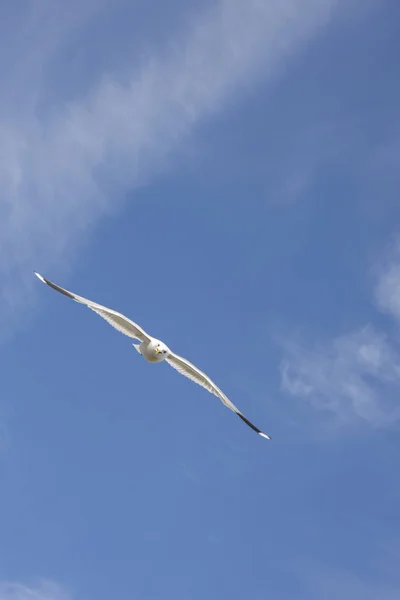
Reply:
x=115, y=319
x=186, y=368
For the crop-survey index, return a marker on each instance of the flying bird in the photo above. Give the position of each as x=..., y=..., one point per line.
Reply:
x=152, y=349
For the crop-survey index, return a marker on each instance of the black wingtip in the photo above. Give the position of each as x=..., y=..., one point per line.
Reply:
x=54, y=286
x=253, y=427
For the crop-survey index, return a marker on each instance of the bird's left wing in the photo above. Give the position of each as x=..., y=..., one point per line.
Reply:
x=115, y=319
x=187, y=369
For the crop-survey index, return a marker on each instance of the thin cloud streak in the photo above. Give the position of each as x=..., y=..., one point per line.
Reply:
x=348, y=586
x=59, y=173
x=355, y=376
x=387, y=292
x=43, y=591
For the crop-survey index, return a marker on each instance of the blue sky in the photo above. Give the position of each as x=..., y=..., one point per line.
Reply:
x=227, y=175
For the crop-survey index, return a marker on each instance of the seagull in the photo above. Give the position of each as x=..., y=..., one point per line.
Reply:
x=152, y=349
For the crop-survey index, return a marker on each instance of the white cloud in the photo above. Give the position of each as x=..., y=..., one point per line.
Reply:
x=387, y=292
x=355, y=375
x=43, y=591
x=350, y=587
x=60, y=172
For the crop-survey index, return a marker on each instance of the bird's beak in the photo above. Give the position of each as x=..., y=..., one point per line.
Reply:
x=158, y=350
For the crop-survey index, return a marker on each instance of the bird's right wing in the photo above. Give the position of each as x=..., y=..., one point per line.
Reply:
x=115, y=319
x=186, y=368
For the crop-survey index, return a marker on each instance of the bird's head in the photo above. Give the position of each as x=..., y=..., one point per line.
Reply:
x=161, y=350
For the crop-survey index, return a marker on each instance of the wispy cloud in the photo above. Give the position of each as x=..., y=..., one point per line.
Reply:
x=350, y=587
x=387, y=292
x=61, y=171
x=356, y=375
x=43, y=591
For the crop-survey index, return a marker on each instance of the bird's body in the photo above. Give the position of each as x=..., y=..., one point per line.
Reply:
x=152, y=349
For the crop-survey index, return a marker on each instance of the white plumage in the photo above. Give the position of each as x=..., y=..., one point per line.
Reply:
x=152, y=349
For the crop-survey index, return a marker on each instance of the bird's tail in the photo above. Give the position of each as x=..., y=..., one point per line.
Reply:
x=137, y=348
